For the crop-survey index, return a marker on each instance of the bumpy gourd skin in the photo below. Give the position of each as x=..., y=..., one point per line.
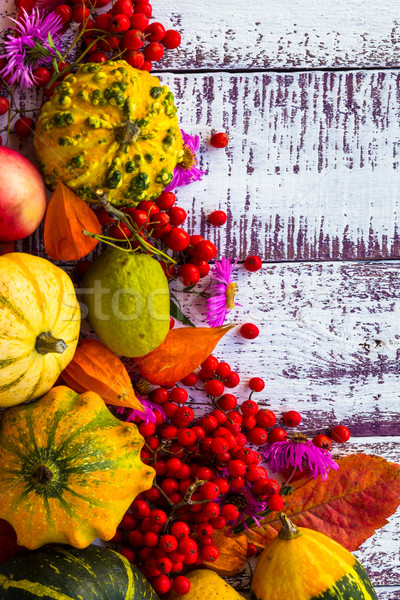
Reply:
x=109, y=127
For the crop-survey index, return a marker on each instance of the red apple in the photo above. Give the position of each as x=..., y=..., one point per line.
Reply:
x=22, y=196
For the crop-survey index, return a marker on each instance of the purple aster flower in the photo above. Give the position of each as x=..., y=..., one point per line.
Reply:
x=142, y=389
x=28, y=47
x=186, y=171
x=300, y=453
x=223, y=292
x=247, y=506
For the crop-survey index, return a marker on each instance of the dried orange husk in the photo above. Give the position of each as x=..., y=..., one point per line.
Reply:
x=67, y=216
x=95, y=368
x=232, y=552
x=182, y=351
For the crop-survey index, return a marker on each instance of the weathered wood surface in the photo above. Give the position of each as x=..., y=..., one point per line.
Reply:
x=329, y=343
x=271, y=34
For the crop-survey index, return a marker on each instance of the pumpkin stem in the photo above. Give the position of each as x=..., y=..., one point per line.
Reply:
x=289, y=531
x=126, y=132
x=46, y=342
x=42, y=474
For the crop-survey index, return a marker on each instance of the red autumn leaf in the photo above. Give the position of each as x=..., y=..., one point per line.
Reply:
x=348, y=507
x=182, y=351
x=66, y=217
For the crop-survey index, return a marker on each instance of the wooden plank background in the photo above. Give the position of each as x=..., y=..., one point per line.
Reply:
x=309, y=95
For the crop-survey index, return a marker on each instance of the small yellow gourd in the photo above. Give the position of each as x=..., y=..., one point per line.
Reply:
x=207, y=585
x=303, y=564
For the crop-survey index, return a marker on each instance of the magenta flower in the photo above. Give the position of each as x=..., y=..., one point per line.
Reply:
x=247, y=505
x=186, y=171
x=222, y=292
x=29, y=47
x=301, y=453
x=141, y=388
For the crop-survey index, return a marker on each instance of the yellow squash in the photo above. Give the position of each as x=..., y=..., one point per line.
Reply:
x=39, y=326
x=303, y=564
x=69, y=469
x=110, y=127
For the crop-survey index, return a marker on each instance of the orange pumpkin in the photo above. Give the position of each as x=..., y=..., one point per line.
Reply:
x=69, y=469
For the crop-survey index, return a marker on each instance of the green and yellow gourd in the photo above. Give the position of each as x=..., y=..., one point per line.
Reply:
x=69, y=469
x=61, y=573
x=109, y=127
x=303, y=564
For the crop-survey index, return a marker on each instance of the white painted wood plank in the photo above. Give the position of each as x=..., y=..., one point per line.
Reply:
x=329, y=343
x=275, y=34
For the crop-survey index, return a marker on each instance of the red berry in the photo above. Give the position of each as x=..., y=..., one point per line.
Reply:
x=223, y=369
x=190, y=379
x=292, y=418
x=134, y=58
x=189, y=274
x=219, y=415
x=147, y=66
x=194, y=240
x=153, y=52
x=230, y=512
x=249, y=331
x=249, y=408
x=227, y=402
x=199, y=431
x=168, y=543
x=171, y=39
x=155, y=32
x=257, y=436
x=178, y=395
x=275, y=502
x=139, y=21
x=181, y=585
x=236, y=468
x=5, y=104
x=253, y=263
x=177, y=239
x=41, y=76
x=340, y=434
x=158, y=517
x=205, y=250
x=265, y=418
x=103, y=22
x=164, y=564
x=277, y=435
x=159, y=395
x=120, y=24
x=202, y=266
x=120, y=231
x=186, y=437
x=210, y=363
x=143, y=7
x=24, y=127
x=209, y=553
x=109, y=44
x=252, y=550
x=161, y=583
x=98, y=57
x=122, y=7
x=165, y=200
x=128, y=522
x=217, y=218
x=215, y=388
x=232, y=380
x=80, y=13
x=98, y=3
x=219, y=140
x=170, y=409
x=177, y=215
x=140, y=509
x=271, y=486
x=147, y=429
x=64, y=12
x=218, y=523
x=322, y=441
x=128, y=553
x=249, y=422
x=132, y=40
x=168, y=431
x=183, y=416
x=256, y=384
x=211, y=510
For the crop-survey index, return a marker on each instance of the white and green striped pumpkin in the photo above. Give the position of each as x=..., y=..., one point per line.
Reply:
x=61, y=573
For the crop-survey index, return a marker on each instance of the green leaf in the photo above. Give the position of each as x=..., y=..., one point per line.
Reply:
x=178, y=314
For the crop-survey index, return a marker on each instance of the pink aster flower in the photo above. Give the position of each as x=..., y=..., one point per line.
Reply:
x=247, y=506
x=302, y=454
x=142, y=389
x=222, y=291
x=29, y=47
x=186, y=171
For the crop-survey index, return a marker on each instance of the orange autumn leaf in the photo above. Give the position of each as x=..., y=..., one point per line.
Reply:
x=348, y=507
x=67, y=216
x=182, y=351
x=232, y=552
x=95, y=368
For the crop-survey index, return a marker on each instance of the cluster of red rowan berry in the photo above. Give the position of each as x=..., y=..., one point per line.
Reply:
x=123, y=31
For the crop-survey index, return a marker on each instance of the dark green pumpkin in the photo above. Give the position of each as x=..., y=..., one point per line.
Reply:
x=63, y=573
